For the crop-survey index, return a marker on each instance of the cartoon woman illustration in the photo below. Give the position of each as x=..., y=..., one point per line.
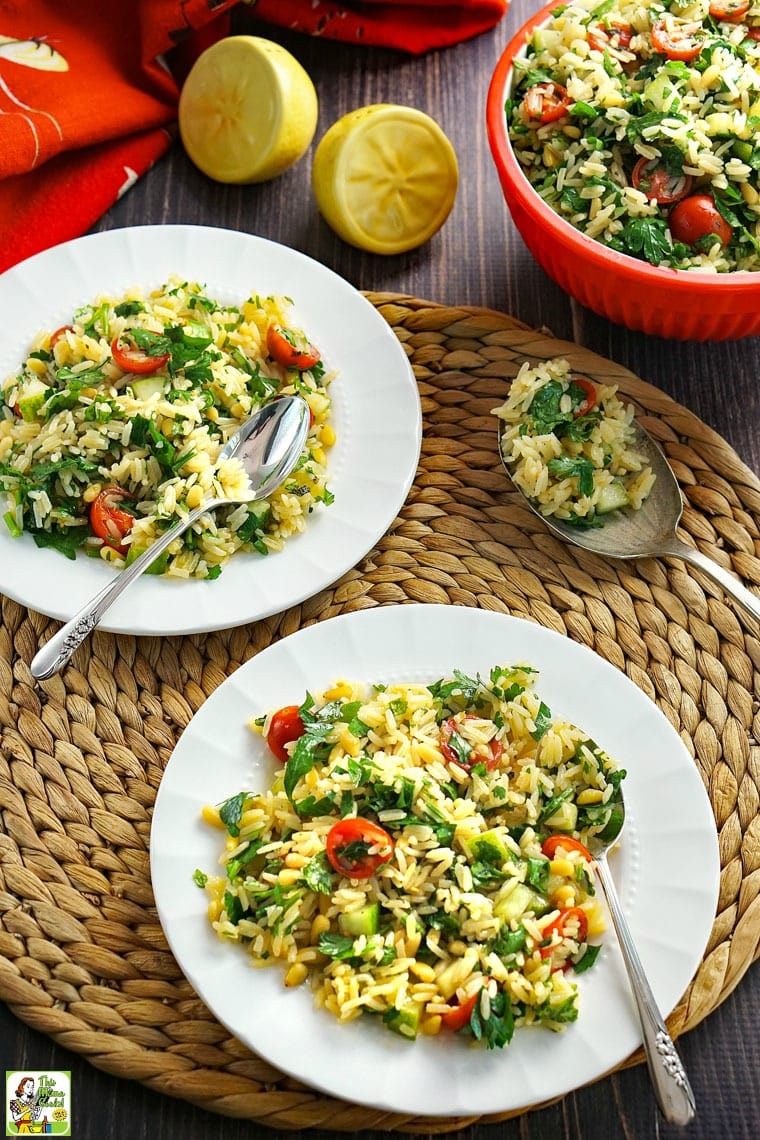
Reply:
x=24, y=1107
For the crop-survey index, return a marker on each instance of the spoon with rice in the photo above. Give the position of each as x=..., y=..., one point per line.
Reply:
x=268, y=445
x=669, y=1081
x=646, y=532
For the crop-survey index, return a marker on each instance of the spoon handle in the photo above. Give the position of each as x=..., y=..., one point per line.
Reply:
x=714, y=570
x=669, y=1080
x=57, y=651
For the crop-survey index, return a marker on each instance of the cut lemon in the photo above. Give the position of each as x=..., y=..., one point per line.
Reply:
x=385, y=177
x=247, y=110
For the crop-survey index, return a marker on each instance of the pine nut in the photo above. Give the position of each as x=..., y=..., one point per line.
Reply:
x=296, y=974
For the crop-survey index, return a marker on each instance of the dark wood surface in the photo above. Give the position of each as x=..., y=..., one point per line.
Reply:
x=477, y=259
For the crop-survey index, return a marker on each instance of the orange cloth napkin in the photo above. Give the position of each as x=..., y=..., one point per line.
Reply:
x=88, y=90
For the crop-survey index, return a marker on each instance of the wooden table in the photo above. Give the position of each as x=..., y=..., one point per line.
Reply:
x=477, y=259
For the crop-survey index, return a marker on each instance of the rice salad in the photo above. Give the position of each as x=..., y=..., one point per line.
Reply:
x=569, y=445
x=111, y=429
x=637, y=121
x=423, y=855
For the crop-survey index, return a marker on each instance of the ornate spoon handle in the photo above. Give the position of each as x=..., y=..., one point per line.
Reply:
x=671, y=1085
x=732, y=586
x=56, y=652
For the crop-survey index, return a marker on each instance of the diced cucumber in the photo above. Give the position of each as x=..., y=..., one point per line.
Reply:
x=565, y=817
x=612, y=497
x=258, y=517
x=743, y=150
x=661, y=93
x=196, y=335
x=157, y=566
x=147, y=386
x=261, y=509
x=405, y=1021
x=489, y=847
x=364, y=920
x=35, y=394
x=520, y=899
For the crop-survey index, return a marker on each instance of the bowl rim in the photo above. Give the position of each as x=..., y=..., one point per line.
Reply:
x=738, y=281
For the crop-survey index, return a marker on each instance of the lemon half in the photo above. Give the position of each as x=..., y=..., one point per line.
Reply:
x=385, y=177
x=247, y=110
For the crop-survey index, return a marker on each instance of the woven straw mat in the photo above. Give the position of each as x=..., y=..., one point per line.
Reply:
x=82, y=955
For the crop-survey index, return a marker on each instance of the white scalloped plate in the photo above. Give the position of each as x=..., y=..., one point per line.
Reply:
x=376, y=412
x=667, y=867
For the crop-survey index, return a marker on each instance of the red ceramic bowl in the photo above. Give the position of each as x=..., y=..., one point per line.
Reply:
x=662, y=302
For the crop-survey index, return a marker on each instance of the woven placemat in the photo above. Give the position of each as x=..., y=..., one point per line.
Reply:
x=82, y=955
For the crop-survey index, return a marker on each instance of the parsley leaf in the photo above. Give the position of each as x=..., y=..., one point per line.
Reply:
x=580, y=469
x=231, y=812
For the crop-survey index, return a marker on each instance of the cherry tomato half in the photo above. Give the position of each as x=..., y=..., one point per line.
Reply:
x=676, y=41
x=730, y=11
x=133, y=359
x=285, y=726
x=460, y=1015
x=753, y=34
x=291, y=349
x=449, y=728
x=613, y=38
x=588, y=403
x=695, y=217
x=560, y=922
x=653, y=179
x=546, y=102
x=110, y=522
x=56, y=336
x=357, y=847
x=550, y=845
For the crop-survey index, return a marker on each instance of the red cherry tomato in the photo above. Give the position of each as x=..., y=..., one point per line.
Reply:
x=291, y=350
x=546, y=102
x=614, y=38
x=588, y=403
x=559, y=924
x=110, y=522
x=677, y=41
x=695, y=217
x=550, y=845
x=133, y=359
x=753, y=34
x=285, y=726
x=448, y=728
x=56, y=336
x=460, y=1015
x=653, y=179
x=731, y=11
x=357, y=847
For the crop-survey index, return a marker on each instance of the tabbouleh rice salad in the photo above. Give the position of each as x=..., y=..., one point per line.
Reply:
x=423, y=854
x=570, y=447
x=110, y=431
x=638, y=120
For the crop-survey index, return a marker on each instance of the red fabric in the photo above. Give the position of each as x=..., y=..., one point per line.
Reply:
x=87, y=102
x=410, y=25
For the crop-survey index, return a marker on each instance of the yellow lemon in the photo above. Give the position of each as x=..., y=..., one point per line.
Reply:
x=247, y=110
x=385, y=177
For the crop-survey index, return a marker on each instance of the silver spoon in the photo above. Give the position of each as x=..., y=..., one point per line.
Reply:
x=649, y=532
x=671, y=1085
x=268, y=445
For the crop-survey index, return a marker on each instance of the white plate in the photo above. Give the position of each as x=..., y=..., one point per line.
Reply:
x=667, y=867
x=376, y=412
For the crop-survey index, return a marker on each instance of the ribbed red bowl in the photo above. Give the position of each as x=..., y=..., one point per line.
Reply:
x=662, y=302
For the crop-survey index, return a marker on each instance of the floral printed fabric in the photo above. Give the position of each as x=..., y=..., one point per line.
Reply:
x=88, y=101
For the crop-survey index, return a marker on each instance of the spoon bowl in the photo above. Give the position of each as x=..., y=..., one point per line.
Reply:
x=650, y=531
x=268, y=445
x=668, y=1076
